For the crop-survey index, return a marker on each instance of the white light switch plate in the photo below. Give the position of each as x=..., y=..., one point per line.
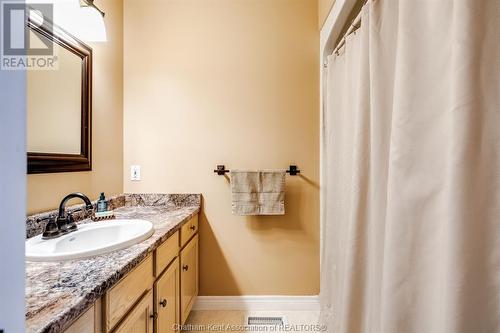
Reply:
x=135, y=172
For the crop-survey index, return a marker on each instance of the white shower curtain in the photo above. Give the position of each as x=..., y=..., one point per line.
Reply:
x=411, y=239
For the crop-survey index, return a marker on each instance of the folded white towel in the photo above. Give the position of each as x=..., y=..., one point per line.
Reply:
x=258, y=192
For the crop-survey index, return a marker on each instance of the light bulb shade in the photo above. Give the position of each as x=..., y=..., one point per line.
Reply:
x=85, y=23
x=92, y=28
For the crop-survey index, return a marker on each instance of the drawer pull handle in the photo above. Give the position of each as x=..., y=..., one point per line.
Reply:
x=185, y=267
x=192, y=227
x=163, y=302
x=154, y=316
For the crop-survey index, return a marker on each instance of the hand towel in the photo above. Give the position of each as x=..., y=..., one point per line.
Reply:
x=258, y=192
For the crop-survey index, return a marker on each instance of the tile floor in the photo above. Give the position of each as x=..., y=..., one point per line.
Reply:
x=233, y=321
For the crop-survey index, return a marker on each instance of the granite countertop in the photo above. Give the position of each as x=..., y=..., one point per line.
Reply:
x=57, y=293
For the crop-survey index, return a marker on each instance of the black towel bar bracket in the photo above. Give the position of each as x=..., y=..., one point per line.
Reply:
x=221, y=170
x=293, y=170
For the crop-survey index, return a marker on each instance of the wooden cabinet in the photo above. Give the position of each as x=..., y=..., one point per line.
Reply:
x=123, y=295
x=167, y=300
x=89, y=322
x=156, y=296
x=189, y=277
x=166, y=252
x=140, y=319
x=84, y=324
x=188, y=230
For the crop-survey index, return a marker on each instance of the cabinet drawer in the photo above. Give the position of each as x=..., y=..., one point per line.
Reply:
x=189, y=229
x=166, y=252
x=189, y=277
x=140, y=319
x=120, y=298
x=86, y=323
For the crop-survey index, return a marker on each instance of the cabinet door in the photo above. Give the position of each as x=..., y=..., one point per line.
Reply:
x=140, y=319
x=189, y=277
x=167, y=300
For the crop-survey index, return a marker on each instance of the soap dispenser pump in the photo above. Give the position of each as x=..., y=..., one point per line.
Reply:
x=102, y=204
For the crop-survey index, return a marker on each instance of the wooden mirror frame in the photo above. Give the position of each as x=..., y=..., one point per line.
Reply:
x=58, y=162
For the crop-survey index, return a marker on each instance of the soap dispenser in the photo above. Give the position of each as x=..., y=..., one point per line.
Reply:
x=102, y=204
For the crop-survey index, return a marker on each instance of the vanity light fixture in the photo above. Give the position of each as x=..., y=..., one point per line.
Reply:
x=80, y=18
x=90, y=3
x=92, y=24
x=89, y=21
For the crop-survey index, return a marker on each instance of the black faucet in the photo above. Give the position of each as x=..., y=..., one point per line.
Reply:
x=64, y=222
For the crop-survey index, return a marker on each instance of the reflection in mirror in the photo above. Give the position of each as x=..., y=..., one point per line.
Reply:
x=54, y=108
x=59, y=103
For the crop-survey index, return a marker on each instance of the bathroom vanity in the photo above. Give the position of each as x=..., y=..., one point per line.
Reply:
x=149, y=287
x=158, y=293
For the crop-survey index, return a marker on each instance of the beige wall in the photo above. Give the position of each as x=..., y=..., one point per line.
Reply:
x=324, y=7
x=233, y=82
x=46, y=190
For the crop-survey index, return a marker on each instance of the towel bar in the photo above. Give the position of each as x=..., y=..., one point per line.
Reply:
x=221, y=170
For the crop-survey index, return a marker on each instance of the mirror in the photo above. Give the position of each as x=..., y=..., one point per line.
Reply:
x=54, y=123
x=59, y=104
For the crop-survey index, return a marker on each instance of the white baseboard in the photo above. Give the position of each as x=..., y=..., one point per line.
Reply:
x=258, y=303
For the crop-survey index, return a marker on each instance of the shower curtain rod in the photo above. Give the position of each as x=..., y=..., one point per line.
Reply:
x=351, y=28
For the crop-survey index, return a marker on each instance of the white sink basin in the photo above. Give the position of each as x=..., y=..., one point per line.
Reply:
x=89, y=240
